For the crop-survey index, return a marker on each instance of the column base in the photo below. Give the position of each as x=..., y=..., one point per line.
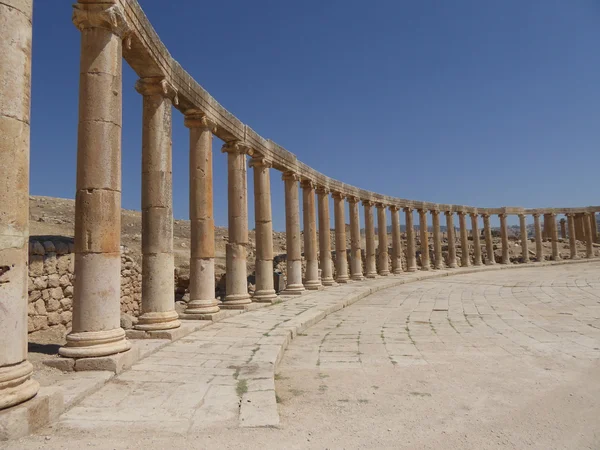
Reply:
x=397, y=271
x=371, y=275
x=328, y=282
x=411, y=269
x=384, y=273
x=343, y=280
x=576, y=257
x=152, y=321
x=313, y=285
x=202, y=307
x=555, y=258
x=15, y=385
x=264, y=296
x=88, y=344
x=477, y=263
x=236, y=301
x=490, y=263
x=426, y=268
x=438, y=267
x=293, y=291
x=357, y=277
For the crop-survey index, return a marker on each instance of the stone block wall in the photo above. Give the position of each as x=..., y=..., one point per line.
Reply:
x=51, y=278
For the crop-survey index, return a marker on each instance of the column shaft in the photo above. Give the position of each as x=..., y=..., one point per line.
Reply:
x=292, y=235
x=312, y=280
x=437, y=240
x=15, y=89
x=539, y=248
x=476, y=240
x=524, y=239
x=451, y=240
x=411, y=258
x=96, y=329
x=504, y=236
x=341, y=258
x=424, y=235
x=589, y=248
x=465, y=259
x=489, y=243
x=396, y=241
x=356, y=272
x=370, y=252
x=572, y=240
x=384, y=269
x=594, y=227
x=325, y=238
x=554, y=237
x=579, y=227
x=563, y=229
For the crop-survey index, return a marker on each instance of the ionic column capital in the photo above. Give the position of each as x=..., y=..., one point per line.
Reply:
x=352, y=199
x=100, y=15
x=290, y=176
x=474, y=214
x=152, y=86
x=434, y=212
x=338, y=195
x=309, y=184
x=260, y=161
x=368, y=203
x=408, y=209
x=380, y=206
x=502, y=215
x=461, y=213
x=394, y=208
x=448, y=213
x=322, y=190
x=197, y=119
x=237, y=147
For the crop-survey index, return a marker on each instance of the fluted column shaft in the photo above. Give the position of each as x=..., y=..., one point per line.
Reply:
x=424, y=235
x=437, y=240
x=451, y=239
x=312, y=280
x=263, y=219
x=411, y=258
x=15, y=89
x=524, y=239
x=554, y=237
x=341, y=259
x=355, y=248
x=572, y=239
x=476, y=240
x=236, y=281
x=589, y=248
x=464, y=240
x=96, y=329
x=370, y=252
x=489, y=243
x=539, y=248
x=292, y=235
x=325, y=238
x=504, y=236
x=158, y=283
x=384, y=269
x=396, y=241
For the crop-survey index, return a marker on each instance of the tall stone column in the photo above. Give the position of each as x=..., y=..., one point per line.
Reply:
x=158, y=283
x=489, y=243
x=437, y=240
x=325, y=238
x=547, y=229
x=341, y=259
x=236, y=280
x=292, y=235
x=370, y=253
x=384, y=269
x=476, y=240
x=451, y=239
x=15, y=89
x=589, y=248
x=356, y=272
x=504, y=236
x=411, y=258
x=594, y=227
x=96, y=329
x=524, y=239
x=554, y=237
x=563, y=228
x=465, y=259
x=424, y=235
x=572, y=240
x=263, y=220
x=539, y=248
x=579, y=227
x=396, y=241
x=311, y=281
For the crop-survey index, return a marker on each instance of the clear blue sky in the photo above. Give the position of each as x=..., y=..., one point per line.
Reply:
x=483, y=103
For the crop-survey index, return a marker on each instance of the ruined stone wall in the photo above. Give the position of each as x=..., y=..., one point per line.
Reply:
x=51, y=278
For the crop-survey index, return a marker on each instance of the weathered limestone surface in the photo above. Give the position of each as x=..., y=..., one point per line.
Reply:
x=292, y=235
x=356, y=271
x=451, y=240
x=504, y=236
x=489, y=245
x=464, y=239
x=539, y=249
x=396, y=242
x=341, y=260
x=310, y=236
x=424, y=235
x=382, y=250
x=437, y=240
x=524, y=239
x=325, y=238
x=370, y=252
x=411, y=260
x=476, y=243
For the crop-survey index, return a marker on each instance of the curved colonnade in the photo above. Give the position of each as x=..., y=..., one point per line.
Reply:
x=114, y=30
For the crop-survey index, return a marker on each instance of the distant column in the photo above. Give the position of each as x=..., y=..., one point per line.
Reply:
x=451, y=239
x=554, y=237
x=572, y=240
x=411, y=259
x=356, y=272
x=547, y=233
x=341, y=257
x=294, y=284
x=563, y=228
x=325, y=237
x=424, y=235
x=594, y=227
x=539, y=248
x=263, y=224
x=489, y=243
x=311, y=278
x=579, y=227
x=370, y=253
x=589, y=248
x=524, y=238
x=476, y=241
x=383, y=243
x=464, y=240
x=396, y=241
x=437, y=240
x=236, y=280
x=504, y=236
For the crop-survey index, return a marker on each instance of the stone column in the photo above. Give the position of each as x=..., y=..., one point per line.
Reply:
x=263, y=220
x=384, y=269
x=554, y=237
x=547, y=230
x=465, y=259
x=424, y=235
x=15, y=90
x=539, y=248
x=579, y=227
x=589, y=248
x=451, y=239
x=96, y=329
x=158, y=283
x=524, y=239
x=572, y=240
x=355, y=249
x=504, y=236
x=489, y=243
x=411, y=258
x=236, y=280
x=563, y=229
x=292, y=235
x=476, y=240
x=325, y=238
x=437, y=240
x=594, y=227
x=396, y=241
x=341, y=258
x=370, y=253
x=312, y=280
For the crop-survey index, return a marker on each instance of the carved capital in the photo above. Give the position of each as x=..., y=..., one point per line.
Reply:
x=338, y=195
x=290, y=176
x=197, y=119
x=309, y=184
x=485, y=215
x=368, y=203
x=502, y=215
x=536, y=215
x=448, y=213
x=434, y=212
x=102, y=15
x=408, y=209
x=322, y=190
x=353, y=199
x=238, y=147
x=152, y=86
x=260, y=162
x=473, y=214
x=394, y=208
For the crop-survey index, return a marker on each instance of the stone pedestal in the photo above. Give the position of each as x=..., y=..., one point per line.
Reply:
x=341, y=259
x=396, y=242
x=356, y=272
x=370, y=253
x=236, y=281
x=158, y=282
x=504, y=236
x=476, y=241
x=96, y=329
x=437, y=240
x=265, y=290
x=325, y=238
x=411, y=257
x=464, y=240
x=589, y=248
x=554, y=237
x=382, y=253
x=524, y=239
x=424, y=234
x=451, y=240
x=312, y=280
x=539, y=248
x=16, y=386
x=572, y=240
x=292, y=235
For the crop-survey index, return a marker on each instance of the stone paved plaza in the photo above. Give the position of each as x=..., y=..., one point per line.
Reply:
x=494, y=358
